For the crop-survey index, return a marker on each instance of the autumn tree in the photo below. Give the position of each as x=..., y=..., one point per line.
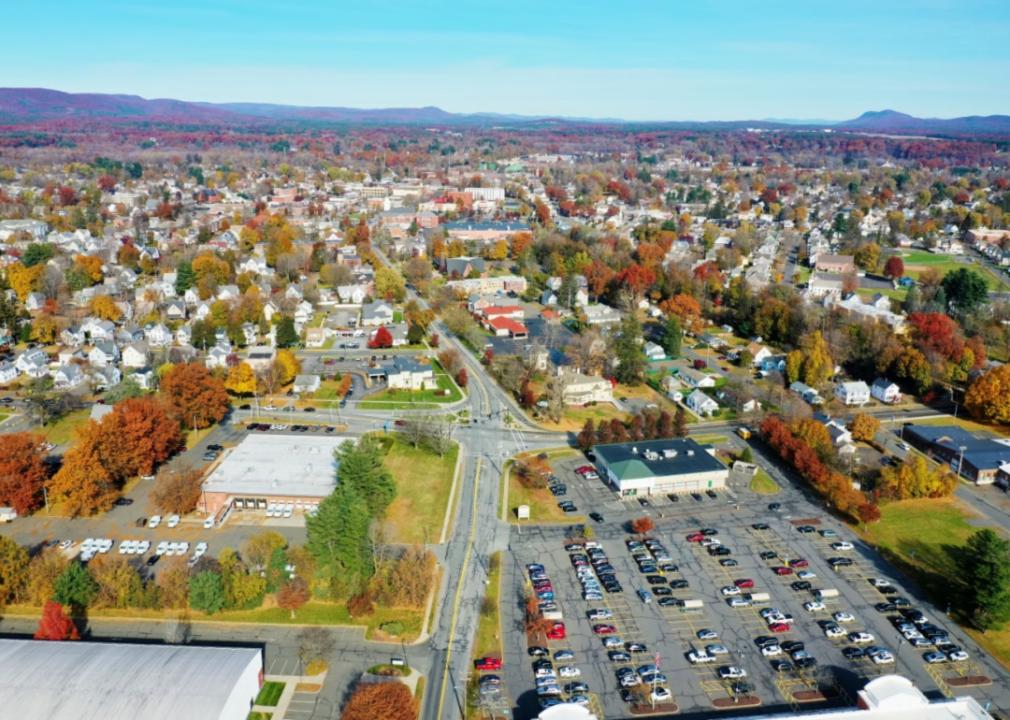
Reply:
x=894, y=267
x=387, y=700
x=293, y=595
x=679, y=428
x=105, y=307
x=864, y=427
x=812, y=363
x=197, y=398
x=988, y=398
x=14, y=562
x=914, y=478
x=23, y=471
x=587, y=436
x=43, y=570
x=289, y=366
x=450, y=361
x=177, y=490
x=389, y=284
x=241, y=380
x=82, y=484
x=259, y=548
x=381, y=339
x=642, y=525
x=140, y=434
x=119, y=585
x=55, y=624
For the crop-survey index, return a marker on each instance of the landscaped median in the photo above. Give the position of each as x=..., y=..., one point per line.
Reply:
x=446, y=392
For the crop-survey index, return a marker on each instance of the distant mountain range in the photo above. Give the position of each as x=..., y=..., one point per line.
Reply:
x=24, y=106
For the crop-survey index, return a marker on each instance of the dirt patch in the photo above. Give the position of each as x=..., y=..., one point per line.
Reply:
x=968, y=681
x=660, y=709
x=806, y=521
x=738, y=701
x=308, y=688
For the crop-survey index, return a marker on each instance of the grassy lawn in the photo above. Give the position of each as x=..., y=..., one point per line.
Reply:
x=423, y=481
x=257, y=715
x=801, y=274
x=898, y=294
x=575, y=417
x=709, y=439
x=270, y=693
x=762, y=484
x=488, y=640
x=193, y=437
x=327, y=390
x=917, y=261
x=969, y=425
x=406, y=399
x=61, y=432
x=4, y=415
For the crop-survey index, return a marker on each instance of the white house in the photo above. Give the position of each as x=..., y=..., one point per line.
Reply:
x=67, y=376
x=376, y=313
x=696, y=379
x=581, y=389
x=885, y=391
x=158, y=335
x=8, y=373
x=701, y=404
x=654, y=351
x=853, y=393
x=103, y=354
x=33, y=363
x=306, y=383
x=136, y=356
x=217, y=357
x=673, y=388
x=759, y=353
x=405, y=373
x=840, y=435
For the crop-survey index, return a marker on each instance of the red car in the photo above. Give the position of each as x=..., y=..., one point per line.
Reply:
x=604, y=629
x=779, y=627
x=781, y=570
x=695, y=537
x=557, y=632
x=744, y=583
x=799, y=563
x=487, y=663
x=585, y=469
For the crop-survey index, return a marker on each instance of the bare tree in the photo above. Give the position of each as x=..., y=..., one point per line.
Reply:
x=556, y=396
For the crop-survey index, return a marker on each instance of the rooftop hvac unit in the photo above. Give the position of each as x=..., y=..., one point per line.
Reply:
x=634, y=449
x=669, y=453
x=690, y=453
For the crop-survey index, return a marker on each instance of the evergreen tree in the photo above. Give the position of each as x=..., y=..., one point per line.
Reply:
x=671, y=337
x=286, y=334
x=360, y=466
x=337, y=537
x=75, y=587
x=987, y=556
x=206, y=592
x=628, y=352
x=184, y=277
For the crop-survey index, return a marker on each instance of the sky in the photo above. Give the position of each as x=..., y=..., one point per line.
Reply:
x=630, y=59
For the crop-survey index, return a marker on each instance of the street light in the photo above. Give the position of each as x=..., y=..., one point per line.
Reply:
x=962, y=448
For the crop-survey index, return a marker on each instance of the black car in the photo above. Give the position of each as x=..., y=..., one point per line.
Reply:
x=837, y=562
x=761, y=526
x=635, y=647
x=660, y=591
x=669, y=602
x=741, y=688
x=537, y=651
x=763, y=641
x=775, y=507
x=709, y=532
x=711, y=493
x=643, y=502
x=805, y=663
x=655, y=579
x=806, y=529
x=782, y=666
x=668, y=567
x=679, y=584
x=901, y=602
x=853, y=653
x=719, y=550
x=885, y=607
x=141, y=522
x=801, y=585
x=768, y=555
x=124, y=501
x=728, y=562
x=791, y=646
x=152, y=560
x=596, y=516
x=215, y=447
x=697, y=496
x=673, y=497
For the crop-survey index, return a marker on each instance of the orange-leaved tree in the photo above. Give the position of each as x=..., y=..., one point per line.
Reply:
x=23, y=471
x=145, y=435
x=197, y=398
x=386, y=700
x=83, y=483
x=292, y=595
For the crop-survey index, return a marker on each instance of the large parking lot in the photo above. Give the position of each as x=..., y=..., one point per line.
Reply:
x=803, y=626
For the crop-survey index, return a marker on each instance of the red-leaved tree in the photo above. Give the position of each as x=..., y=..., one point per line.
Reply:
x=55, y=624
x=23, y=471
x=381, y=339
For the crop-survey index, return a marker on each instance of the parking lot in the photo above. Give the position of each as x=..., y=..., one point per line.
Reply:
x=832, y=630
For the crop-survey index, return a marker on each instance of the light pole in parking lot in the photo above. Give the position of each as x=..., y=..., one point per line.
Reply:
x=962, y=448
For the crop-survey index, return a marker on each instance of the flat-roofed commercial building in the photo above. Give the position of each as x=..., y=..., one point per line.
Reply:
x=42, y=680
x=266, y=468
x=652, y=467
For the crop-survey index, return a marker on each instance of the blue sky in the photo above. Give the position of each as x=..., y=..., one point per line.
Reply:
x=642, y=60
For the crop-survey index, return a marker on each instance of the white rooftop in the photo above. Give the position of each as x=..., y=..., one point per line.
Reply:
x=115, y=681
x=266, y=464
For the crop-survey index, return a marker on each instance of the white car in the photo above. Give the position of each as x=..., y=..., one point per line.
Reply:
x=882, y=657
x=861, y=637
x=738, y=602
x=600, y=614
x=771, y=650
x=806, y=575
x=143, y=546
x=842, y=545
x=66, y=544
x=843, y=617
x=271, y=509
x=730, y=590
x=957, y=656
x=200, y=549
x=181, y=548
x=104, y=545
x=880, y=582
x=208, y=524
x=173, y=521
x=732, y=672
x=814, y=606
x=569, y=671
x=659, y=694
x=697, y=657
x=834, y=631
x=126, y=547
x=612, y=641
x=154, y=522
x=161, y=548
x=716, y=649
x=288, y=510
x=88, y=543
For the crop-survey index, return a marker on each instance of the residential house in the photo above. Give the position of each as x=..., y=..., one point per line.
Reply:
x=8, y=373
x=582, y=389
x=217, y=357
x=464, y=267
x=315, y=337
x=405, y=373
x=103, y=354
x=654, y=351
x=695, y=379
x=885, y=391
x=809, y=394
x=701, y=404
x=840, y=435
x=67, y=377
x=759, y=353
x=136, y=356
x=601, y=314
x=376, y=313
x=249, y=333
x=353, y=294
x=853, y=393
x=158, y=335
x=33, y=363
x=106, y=377
x=672, y=387
x=34, y=301
x=175, y=310
x=306, y=384
x=839, y=264
x=503, y=326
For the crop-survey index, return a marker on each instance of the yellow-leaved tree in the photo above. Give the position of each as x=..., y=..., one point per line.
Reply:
x=241, y=380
